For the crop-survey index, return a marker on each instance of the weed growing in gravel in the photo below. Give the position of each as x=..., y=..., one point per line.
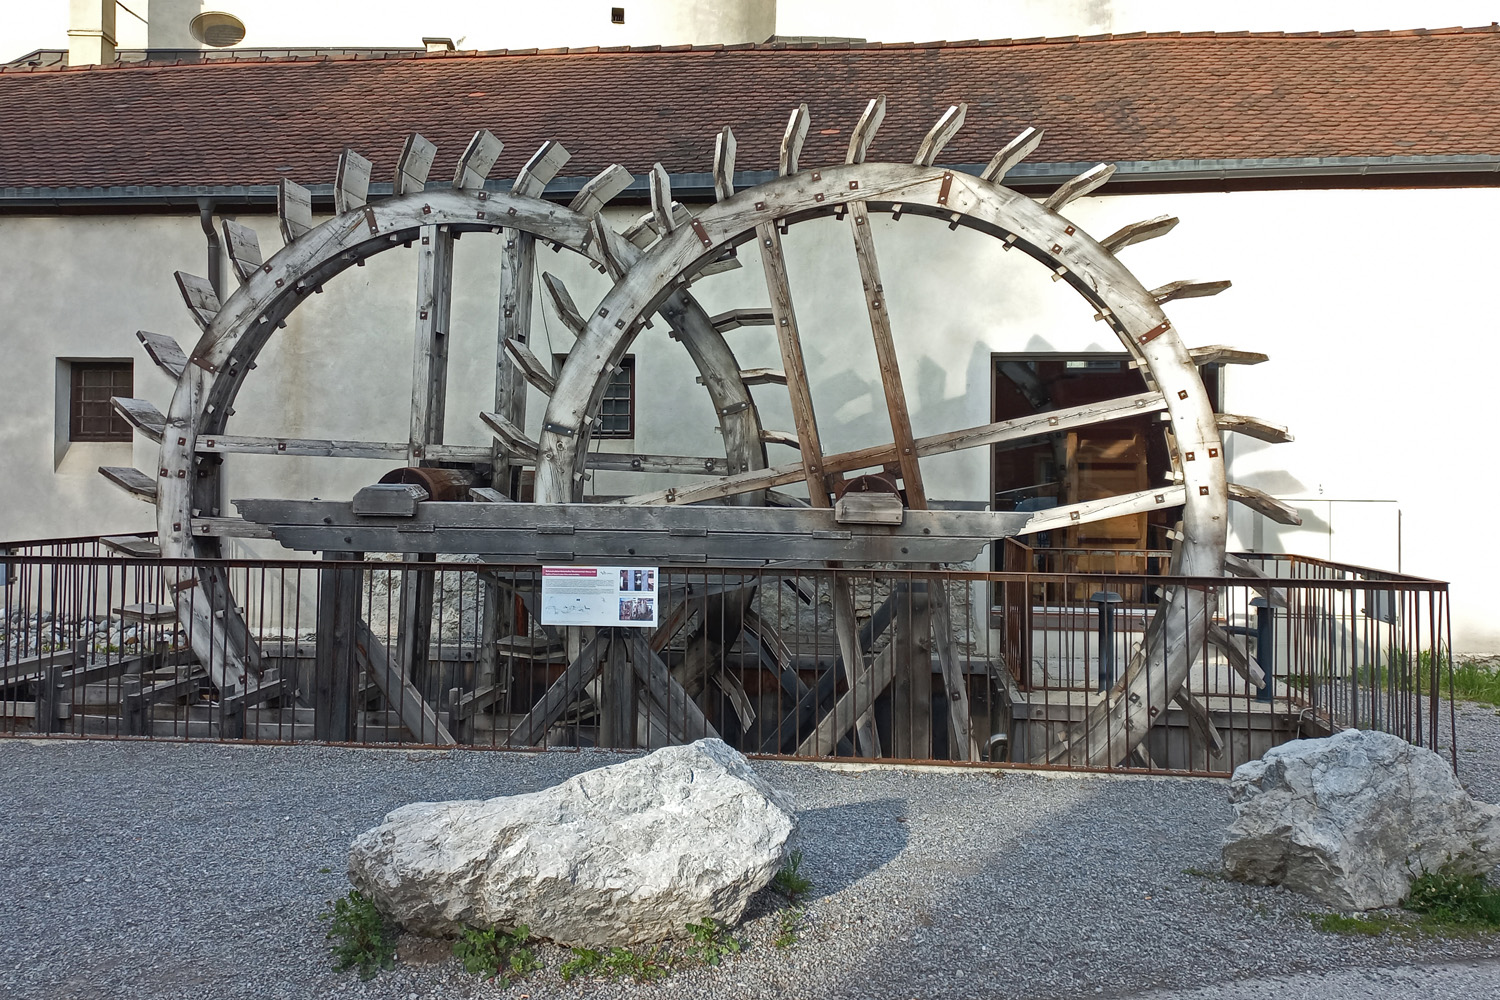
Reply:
x=1209, y=873
x=786, y=933
x=1450, y=899
x=790, y=881
x=620, y=962
x=712, y=942
x=362, y=937
x=1368, y=925
x=496, y=954
x=1476, y=681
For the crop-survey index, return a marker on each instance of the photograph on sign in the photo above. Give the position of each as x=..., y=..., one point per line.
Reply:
x=599, y=595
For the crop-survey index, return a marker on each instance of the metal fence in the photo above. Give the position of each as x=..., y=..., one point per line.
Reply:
x=1016, y=667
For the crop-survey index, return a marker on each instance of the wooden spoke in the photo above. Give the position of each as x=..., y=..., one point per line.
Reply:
x=733, y=319
x=164, y=352
x=413, y=165
x=351, y=182
x=243, y=247
x=612, y=248
x=724, y=147
x=1218, y=354
x=142, y=415
x=1139, y=232
x=1264, y=504
x=864, y=130
x=430, y=360
x=294, y=208
x=1236, y=566
x=512, y=437
x=531, y=367
x=201, y=299
x=1012, y=153
x=781, y=437
x=791, y=141
x=1187, y=290
x=540, y=169
x=763, y=376
x=1254, y=427
x=661, y=199
x=600, y=191
x=1071, y=190
x=476, y=160
x=132, y=481
x=940, y=134
x=1202, y=722
x=1138, y=502
x=1238, y=654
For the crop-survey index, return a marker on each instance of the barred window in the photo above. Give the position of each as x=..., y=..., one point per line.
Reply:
x=617, y=410
x=90, y=417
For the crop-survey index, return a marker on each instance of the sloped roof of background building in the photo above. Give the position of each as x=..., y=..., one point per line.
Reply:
x=1172, y=96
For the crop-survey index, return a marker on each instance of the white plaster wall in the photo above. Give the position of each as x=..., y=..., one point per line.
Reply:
x=1377, y=319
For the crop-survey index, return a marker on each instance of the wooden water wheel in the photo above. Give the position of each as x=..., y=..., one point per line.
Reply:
x=653, y=264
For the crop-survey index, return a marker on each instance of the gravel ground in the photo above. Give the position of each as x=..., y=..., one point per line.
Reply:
x=169, y=870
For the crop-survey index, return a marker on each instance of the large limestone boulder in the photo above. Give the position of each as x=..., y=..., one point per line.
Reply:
x=1352, y=819
x=623, y=855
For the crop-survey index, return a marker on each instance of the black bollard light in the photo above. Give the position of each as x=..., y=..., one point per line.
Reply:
x=1106, y=600
x=1265, y=643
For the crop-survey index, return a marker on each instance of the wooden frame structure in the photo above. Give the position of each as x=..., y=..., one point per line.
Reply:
x=653, y=265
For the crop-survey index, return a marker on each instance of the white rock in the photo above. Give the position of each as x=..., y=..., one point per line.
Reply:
x=622, y=855
x=1352, y=819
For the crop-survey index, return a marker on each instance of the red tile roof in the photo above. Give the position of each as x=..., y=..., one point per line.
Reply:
x=1174, y=96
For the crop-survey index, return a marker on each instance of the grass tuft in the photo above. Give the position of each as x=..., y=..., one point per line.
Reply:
x=362, y=937
x=790, y=881
x=496, y=954
x=617, y=964
x=712, y=942
x=1446, y=903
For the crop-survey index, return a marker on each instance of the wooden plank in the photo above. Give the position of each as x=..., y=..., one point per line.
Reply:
x=939, y=135
x=562, y=303
x=413, y=165
x=477, y=159
x=293, y=209
x=1254, y=427
x=661, y=199
x=1264, y=504
x=538, y=172
x=351, y=182
x=869, y=508
x=852, y=652
x=1237, y=652
x=791, y=141
x=140, y=414
x=1218, y=354
x=430, y=360
x=138, y=548
x=599, y=190
x=532, y=729
x=782, y=437
x=414, y=622
x=723, y=170
x=1010, y=154
x=531, y=367
x=617, y=708
x=132, y=481
x=243, y=247
x=961, y=745
x=199, y=296
x=336, y=667
x=853, y=705
x=1187, y=289
x=164, y=352
x=1139, y=232
x=240, y=444
x=911, y=682
x=863, y=134
x=1236, y=566
x=733, y=319
x=1201, y=721
x=789, y=339
x=419, y=717
x=615, y=253
x=517, y=271
x=685, y=720
x=1076, y=187
x=763, y=376
x=512, y=438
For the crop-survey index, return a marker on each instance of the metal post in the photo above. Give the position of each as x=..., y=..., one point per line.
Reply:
x=1265, y=644
x=1106, y=600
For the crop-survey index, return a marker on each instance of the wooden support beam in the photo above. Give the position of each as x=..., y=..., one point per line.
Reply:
x=133, y=546
x=1264, y=504
x=1237, y=566
x=417, y=714
x=540, y=169
x=337, y=666
x=724, y=148
x=600, y=190
x=351, y=182
x=1200, y=720
x=616, y=253
x=1253, y=427
x=412, y=165
x=414, y=622
x=476, y=160
x=531, y=367
x=617, y=708
x=791, y=141
x=1074, y=188
x=1188, y=289
x=132, y=481
x=532, y=729
x=846, y=629
x=164, y=352
x=939, y=135
x=199, y=296
x=782, y=437
x=1237, y=652
x=1012, y=153
x=430, y=358
x=961, y=744
x=517, y=273
x=911, y=683
x=853, y=705
x=393, y=451
x=1139, y=232
x=293, y=209
x=685, y=720
x=243, y=247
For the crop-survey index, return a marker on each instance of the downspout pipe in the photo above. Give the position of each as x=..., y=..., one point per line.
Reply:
x=215, y=248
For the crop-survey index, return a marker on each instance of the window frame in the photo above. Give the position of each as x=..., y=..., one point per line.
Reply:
x=118, y=429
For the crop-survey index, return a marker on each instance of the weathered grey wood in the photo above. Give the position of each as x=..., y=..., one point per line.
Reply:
x=136, y=548
x=412, y=165
x=1237, y=652
x=733, y=319
x=199, y=296
x=782, y=437
x=685, y=720
x=517, y=271
x=243, y=247
x=53, y=701
x=293, y=209
x=164, y=352
x=140, y=414
x=430, y=360
x=562, y=303
x=532, y=729
x=853, y=705
x=869, y=508
x=239, y=444
x=132, y=481
x=961, y=744
x=514, y=440
x=1139, y=232
x=846, y=630
x=337, y=664
x=1076, y=187
x=614, y=251
x=484, y=494
x=132, y=706
x=1010, y=154
x=1202, y=722
x=1237, y=566
x=911, y=682
x=351, y=182
x=791, y=141
x=600, y=190
x=998, y=432
x=661, y=199
x=417, y=715
x=863, y=134
x=1254, y=427
x=414, y=622
x=476, y=160
x=685, y=465
x=531, y=367
x=724, y=149
x=940, y=134
x=540, y=169
x=617, y=708
x=1187, y=289
x=763, y=376
x=1264, y=504
x=1218, y=354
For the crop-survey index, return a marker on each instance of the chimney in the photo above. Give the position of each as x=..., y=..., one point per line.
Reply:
x=438, y=44
x=91, y=32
